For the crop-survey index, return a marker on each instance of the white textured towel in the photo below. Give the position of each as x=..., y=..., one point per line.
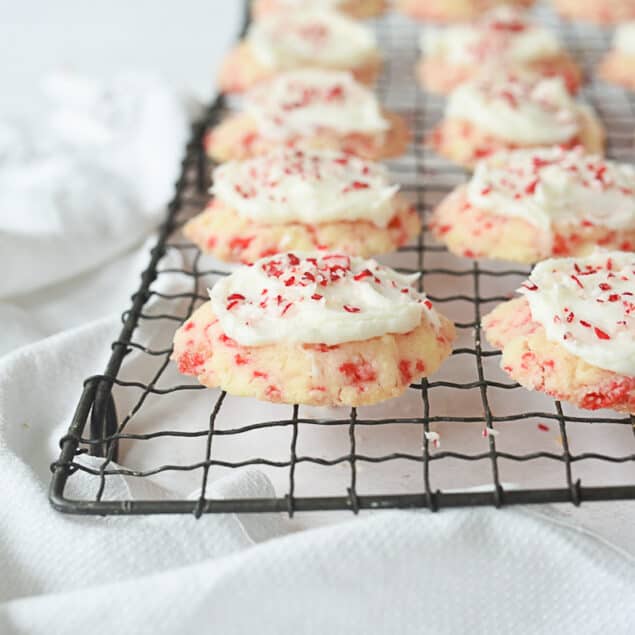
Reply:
x=85, y=174
x=510, y=571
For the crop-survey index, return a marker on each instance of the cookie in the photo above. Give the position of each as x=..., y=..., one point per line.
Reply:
x=302, y=201
x=604, y=12
x=528, y=205
x=301, y=39
x=453, y=10
x=572, y=334
x=618, y=66
x=513, y=111
x=359, y=9
x=323, y=330
x=309, y=109
x=457, y=54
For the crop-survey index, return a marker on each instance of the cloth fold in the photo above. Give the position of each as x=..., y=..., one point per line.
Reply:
x=410, y=572
x=85, y=175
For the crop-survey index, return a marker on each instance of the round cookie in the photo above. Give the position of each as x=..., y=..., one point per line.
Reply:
x=571, y=336
x=372, y=350
x=528, y=205
x=359, y=9
x=302, y=201
x=309, y=109
x=513, y=111
x=618, y=66
x=457, y=54
x=604, y=12
x=453, y=10
x=301, y=39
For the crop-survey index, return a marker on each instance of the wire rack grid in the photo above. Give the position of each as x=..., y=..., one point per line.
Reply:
x=140, y=378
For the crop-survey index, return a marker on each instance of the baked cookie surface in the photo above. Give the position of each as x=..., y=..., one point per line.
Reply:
x=294, y=39
x=572, y=335
x=310, y=109
x=604, y=12
x=458, y=53
x=302, y=201
x=321, y=330
x=513, y=111
x=528, y=205
x=453, y=10
x=359, y=9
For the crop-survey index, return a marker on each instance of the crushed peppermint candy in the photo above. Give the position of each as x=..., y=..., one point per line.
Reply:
x=298, y=103
x=292, y=39
x=318, y=298
x=504, y=31
x=307, y=186
x=588, y=306
x=434, y=438
x=555, y=186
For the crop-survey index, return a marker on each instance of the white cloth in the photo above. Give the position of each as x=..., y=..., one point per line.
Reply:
x=520, y=571
x=480, y=570
x=85, y=174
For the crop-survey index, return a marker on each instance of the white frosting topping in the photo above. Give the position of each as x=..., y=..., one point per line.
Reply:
x=314, y=37
x=587, y=305
x=552, y=186
x=307, y=101
x=518, y=108
x=317, y=299
x=307, y=187
x=504, y=32
x=625, y=38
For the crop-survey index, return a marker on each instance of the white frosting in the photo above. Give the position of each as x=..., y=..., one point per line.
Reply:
x=307, y=101
x=587, y=305
x=552, y=186
x=518, y=108
x=298, y=38
x=308, y=187
x=317, y=299
x=503, y=32
x=625, y=38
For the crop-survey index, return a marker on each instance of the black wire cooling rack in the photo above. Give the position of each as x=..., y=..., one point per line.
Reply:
x=468, y=397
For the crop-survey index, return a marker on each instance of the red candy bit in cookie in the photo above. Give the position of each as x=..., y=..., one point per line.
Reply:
x=358, y=372
x=404, y=371
x=190, y=363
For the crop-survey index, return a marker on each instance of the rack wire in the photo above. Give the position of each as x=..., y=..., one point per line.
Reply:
x=139, y=376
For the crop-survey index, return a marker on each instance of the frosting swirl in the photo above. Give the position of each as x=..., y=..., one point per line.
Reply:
x=307, y=101
x=518, y=108
x=317, y=299
x=504, y=31
x=587, y=305
x=555, y=186
x=309, y=187
x=310, y=37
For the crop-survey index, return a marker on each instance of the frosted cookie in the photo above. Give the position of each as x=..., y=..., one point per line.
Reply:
x=572, y=334
x=528, y=205
x=457, y=54
x=301, y=39
x=510, y=111
x=453, y=10
x=359, y=9
x=310, y=109
x=302, y=201
x=325, y=330
x=618, y=66
x=600, y=12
